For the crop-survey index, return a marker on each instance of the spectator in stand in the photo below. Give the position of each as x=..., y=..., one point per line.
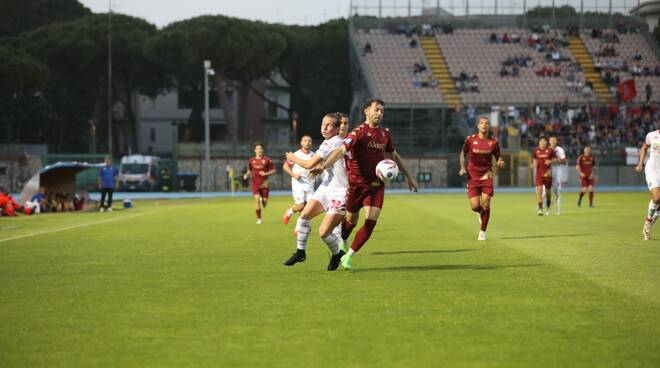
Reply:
x=637, y=56
x=419, y=67
x=493, y=38
x=367, y=49
x=39, y=202
x=474, y=83
x=649, y=92
x=636, y=71
x=515, y=38
x=412, y=43
x=515, y=71
x=504, y=72
x=505, y=38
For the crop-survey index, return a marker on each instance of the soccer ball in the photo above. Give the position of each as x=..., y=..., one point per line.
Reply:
x=387, y=170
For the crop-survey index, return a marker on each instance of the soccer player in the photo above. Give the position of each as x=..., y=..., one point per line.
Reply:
x=559, y=171
x=260, y=167
x=480, y=149
x=652, y=172
x=329, y=197
x=302, y=184
x=364, y=148
x=543, y=157
x=585, y=166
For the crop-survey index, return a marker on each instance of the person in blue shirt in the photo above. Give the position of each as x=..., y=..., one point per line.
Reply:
x=108, y=181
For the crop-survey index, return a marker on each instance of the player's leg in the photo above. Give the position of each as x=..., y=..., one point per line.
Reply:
x=548, y=197
x=257, y=206
x=354, y=199
x=539, y=199
x=327, y=234
x=373, y=204
x=312, y=209
x=485, y=214
x=264, y=192
x=104, y=192
x=556, y=188
x=583, y=190
x=591, y=193
x=299, y=200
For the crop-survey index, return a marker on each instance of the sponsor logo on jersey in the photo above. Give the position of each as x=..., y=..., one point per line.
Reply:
x=377, y=146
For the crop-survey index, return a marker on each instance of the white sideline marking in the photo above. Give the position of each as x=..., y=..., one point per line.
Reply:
x=81, y=225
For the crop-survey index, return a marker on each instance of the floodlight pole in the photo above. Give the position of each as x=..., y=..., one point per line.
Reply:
x=110, y=77
x=207, y=126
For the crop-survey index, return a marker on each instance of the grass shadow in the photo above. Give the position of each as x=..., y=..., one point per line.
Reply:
x=429, y=251
x=546, y=236
x=445, y=267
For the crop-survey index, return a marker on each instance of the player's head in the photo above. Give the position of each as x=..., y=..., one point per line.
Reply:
x=484, y=125
x=543, y=142
x=587, y=150
x=258, y=149
x=374, y=110
x=343, y=125
x=553, y=141
x=330, y=125
x=107, y=160
x=306, y=142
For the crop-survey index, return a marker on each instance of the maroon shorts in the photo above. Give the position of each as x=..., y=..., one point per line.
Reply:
x=545, y=181
x=263, y=192
x=586, y=182
x=364, y=196
x=476, y=187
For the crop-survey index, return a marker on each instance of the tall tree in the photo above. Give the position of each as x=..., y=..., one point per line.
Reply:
x=19, y=16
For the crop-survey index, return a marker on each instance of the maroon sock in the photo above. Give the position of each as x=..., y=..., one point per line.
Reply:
x=258, y=214
x=478, y=210
x=581, y=195
x=485, y=216
x=346, y=229
x=363, y=234
x=540, y=205
x=591, y=198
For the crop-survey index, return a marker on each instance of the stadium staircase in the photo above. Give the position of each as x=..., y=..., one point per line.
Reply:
x=440, y=70
x=579, y=50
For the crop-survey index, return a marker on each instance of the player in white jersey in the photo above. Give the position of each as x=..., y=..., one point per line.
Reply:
x=559, y=171
x=302, y=184
x=329, y=197
x=652, y=171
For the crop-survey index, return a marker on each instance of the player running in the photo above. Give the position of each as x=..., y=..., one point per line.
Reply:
x=585, y=166
x=365, y=147
x=559, y=171
x=480, y=149
x=302, y=184
x=260, y=167
x=543, y=157
x=329, y=197
x=652, y=172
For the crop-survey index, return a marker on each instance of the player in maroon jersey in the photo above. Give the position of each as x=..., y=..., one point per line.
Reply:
x=480, y=149
x=260, y=167
x=364, y=148
x=585, y=167
x=543, y=158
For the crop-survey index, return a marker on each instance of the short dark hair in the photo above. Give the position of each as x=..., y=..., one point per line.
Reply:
x=256, y=144
x=371, y=102
x=542, y=138
x=341, y=115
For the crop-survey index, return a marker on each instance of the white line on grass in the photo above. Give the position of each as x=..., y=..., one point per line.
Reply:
x=85, y=225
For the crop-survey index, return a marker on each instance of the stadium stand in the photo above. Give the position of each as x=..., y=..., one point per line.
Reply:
x=391, y=64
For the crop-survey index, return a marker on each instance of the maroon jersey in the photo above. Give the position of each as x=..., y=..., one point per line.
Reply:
x=480, y=153
x=365, y=148
x=586, y=164
x=543, y=169
x=260, y=164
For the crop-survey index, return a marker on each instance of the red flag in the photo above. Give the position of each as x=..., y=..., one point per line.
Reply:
x=627, y=90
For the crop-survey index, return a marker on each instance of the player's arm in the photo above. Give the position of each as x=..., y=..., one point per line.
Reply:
x=577, y=167
x=287, y=169
x=498, y=156
x=247, y=173
x=642, y=156
x=394, y=155
x=461, y=161
x=272, y=170
x=333, y=157
x=307, y=164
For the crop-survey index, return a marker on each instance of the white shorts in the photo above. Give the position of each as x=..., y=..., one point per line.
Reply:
x=652, y=180
x=556, y=184
x=301, y=194
x=332, y=199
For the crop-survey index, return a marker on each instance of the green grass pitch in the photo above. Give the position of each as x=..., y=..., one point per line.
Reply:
x=198, y=284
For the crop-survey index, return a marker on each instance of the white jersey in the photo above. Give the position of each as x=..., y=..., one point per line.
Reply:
x=652, y=168
x=334, y=176
x=560, y=171
x=305, y=182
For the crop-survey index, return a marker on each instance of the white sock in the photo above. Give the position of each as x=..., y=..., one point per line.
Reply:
x=303, y=228
x=333, y=243
x=289, y=212
x=558, y=200
x=651, y=211
x=337, y=231
x=350, y=252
